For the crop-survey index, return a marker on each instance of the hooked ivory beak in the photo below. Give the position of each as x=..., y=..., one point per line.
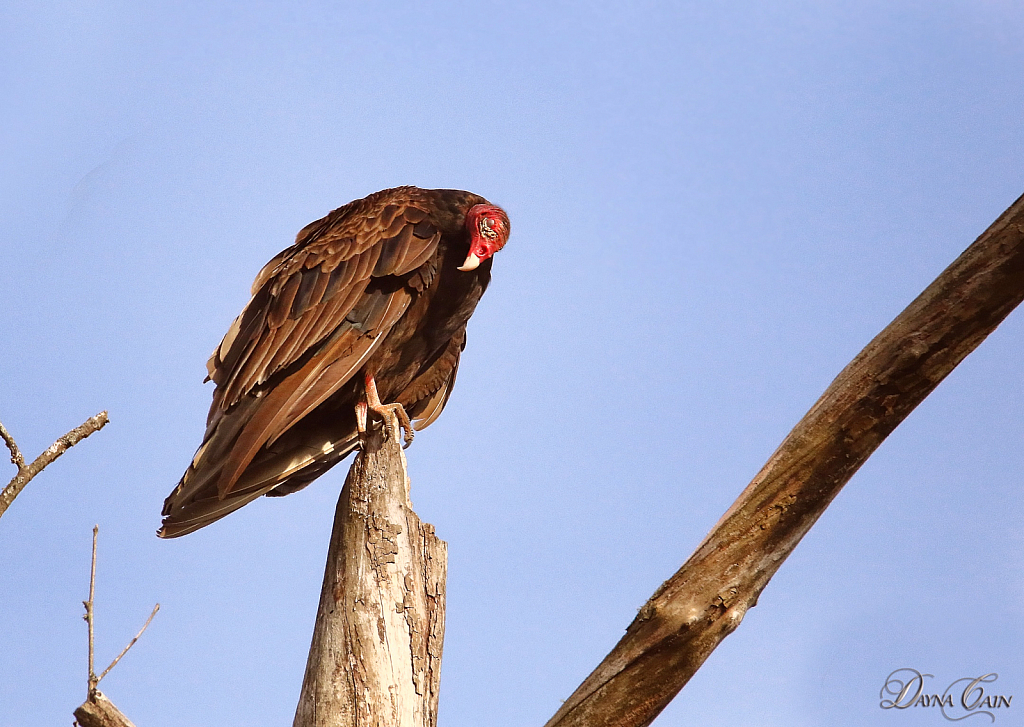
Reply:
x=472, y=261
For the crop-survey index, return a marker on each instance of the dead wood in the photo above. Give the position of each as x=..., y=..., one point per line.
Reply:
x=375, y=657
x=98, y=711
x=690, y=614
x=27, y=471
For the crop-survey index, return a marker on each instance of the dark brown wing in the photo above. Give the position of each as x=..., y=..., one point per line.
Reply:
x=319, y=310
x=428, y=394
x=303, y=295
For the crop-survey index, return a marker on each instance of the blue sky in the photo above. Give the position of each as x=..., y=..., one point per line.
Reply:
x=714, y=208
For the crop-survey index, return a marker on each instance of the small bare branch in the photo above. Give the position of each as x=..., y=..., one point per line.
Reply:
x=16, y=459
x=89, y=615
x=55, y=450
x=130, y=643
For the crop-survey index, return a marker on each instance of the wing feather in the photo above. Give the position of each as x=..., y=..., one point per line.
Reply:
x=428, y=394
x=393, y=250
x=418, y=253
x=292, y=311
x=299, y=393
x=292, y=343
x=310, y=291
x=432, y=409
x=281, y=303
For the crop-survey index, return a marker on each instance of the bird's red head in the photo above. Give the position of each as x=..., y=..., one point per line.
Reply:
x=488, y=232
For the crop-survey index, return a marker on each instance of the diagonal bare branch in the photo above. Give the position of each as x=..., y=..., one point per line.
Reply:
x=130, y=643
x=692, y=612
x=55, y=450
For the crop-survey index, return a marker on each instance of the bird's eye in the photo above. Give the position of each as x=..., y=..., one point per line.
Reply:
x=486, y=230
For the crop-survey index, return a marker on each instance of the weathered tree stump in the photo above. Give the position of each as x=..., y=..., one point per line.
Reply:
x=376, y=652
x=98, y=711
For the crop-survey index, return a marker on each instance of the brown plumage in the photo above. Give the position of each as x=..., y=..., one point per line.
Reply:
x=374, y=288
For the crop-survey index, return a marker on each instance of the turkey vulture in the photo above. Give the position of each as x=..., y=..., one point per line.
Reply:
x=372, y=299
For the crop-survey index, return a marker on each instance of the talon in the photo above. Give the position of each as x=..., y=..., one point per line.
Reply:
x=394, y=415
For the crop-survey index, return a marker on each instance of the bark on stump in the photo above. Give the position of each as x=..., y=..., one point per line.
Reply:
x=98, y=711
x=375, y=658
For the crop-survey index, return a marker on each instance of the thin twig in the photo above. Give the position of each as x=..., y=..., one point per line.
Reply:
x=16, y=459
x=130, y=644
x=89, y=615
x=55, y=450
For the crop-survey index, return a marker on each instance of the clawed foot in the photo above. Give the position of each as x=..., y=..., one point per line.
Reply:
x=394, y=415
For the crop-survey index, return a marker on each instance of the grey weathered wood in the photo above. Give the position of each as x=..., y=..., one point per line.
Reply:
x=690, y=614
x=375, y=659
x=98, y=711
x=27, y=471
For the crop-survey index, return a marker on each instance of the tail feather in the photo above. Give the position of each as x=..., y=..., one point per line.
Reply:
x=289, y=465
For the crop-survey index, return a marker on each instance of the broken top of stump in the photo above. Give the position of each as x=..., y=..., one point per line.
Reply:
x=375, y=658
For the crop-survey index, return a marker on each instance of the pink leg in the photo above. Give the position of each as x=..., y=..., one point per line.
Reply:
x=393, y=415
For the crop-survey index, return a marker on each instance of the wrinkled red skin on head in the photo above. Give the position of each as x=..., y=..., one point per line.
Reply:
x=480, y=219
